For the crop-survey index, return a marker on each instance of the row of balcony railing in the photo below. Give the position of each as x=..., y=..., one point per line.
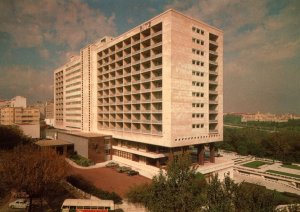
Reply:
x=133, y=58
x=125, y=45
x=133, y=130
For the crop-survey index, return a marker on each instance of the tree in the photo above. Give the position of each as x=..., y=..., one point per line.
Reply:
x=11, y=136
x=250, y=197
x=32, y=170
x=179, y=189
x=219, y=195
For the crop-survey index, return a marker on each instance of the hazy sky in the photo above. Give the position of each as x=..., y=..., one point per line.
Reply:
x=261, y=44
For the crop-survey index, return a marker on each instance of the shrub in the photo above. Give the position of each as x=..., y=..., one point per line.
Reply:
x=81, y=161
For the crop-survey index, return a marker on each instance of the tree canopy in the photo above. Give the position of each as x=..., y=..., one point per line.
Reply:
x=282, y=145
x=11, y=136
x=181, y=188
x=32, y=170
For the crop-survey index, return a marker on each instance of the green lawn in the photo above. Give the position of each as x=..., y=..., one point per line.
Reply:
x=255, y=164
x=284, y=173
x=291, y=166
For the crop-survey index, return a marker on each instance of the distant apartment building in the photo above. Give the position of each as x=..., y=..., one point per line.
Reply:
x=16, y=112
x=49, y=113
x=17, y=101
x=42, y=108
x=17, y=115
x=268, y=117
x=28, y=119
x=156, y=90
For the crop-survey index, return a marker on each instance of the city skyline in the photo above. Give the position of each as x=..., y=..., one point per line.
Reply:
x=261, y=44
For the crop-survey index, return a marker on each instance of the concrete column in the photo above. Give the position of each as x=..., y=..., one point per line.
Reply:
x=212, y=152
x=65, y=151
x=171, y=154
x=200, y=154
x=157, y=163
x=110, y=150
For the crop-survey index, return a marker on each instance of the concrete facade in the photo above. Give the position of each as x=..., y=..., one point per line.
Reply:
x=17, y=101
x=156, y=89
x=93, y=146
x=19, y=115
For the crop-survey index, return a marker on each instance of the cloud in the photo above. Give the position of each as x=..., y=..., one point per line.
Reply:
x=59, y=22
x=27, y=82
x=54, y=30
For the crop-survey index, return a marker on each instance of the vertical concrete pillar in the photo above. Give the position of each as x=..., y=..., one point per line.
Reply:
x=157, y=163
x=171, y=154
x=212, y=152
x=65, y=151
x=110, y=148
x=200, y=154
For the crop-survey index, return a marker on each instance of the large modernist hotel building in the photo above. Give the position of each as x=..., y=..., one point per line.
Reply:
x=156, y=90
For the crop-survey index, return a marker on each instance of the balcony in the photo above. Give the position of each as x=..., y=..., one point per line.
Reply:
x=213, y=131
x=213, y=112
x=211, y=92
x=157, y=121
x=147, y=121
x=213, y=63
x=157, y=132
x=213, y=42
x=146, y=100
x=213, y=53
x=157, y=78
x=146, y=131
x=213, y=121
x=213, y=102
x=156, y=111
x=213, y=82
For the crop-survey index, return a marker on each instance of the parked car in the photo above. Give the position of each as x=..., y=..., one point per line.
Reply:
x=132, y=172
x=112, y=165
x=123, y=169
x=19, y=203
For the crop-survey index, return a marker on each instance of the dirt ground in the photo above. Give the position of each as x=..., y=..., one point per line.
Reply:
x=110, y=180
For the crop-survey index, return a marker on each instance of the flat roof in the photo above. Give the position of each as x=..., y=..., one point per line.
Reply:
x=48, y=142
x=84, y=134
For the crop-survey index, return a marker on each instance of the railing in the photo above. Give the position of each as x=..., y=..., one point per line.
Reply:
x=213, y=102
x=213, y=52
x=213, y=42
x=213, y=62
x=156, y=121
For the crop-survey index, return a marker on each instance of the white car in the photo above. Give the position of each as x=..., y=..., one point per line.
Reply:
x=19, y=203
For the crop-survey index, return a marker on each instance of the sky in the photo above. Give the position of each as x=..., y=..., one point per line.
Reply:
x=261, y=44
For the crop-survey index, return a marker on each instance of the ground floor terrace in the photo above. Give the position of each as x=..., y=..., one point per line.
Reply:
x=158, y=156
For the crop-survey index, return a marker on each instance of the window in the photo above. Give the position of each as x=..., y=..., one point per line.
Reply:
x=198, y=30
x=198, y=41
